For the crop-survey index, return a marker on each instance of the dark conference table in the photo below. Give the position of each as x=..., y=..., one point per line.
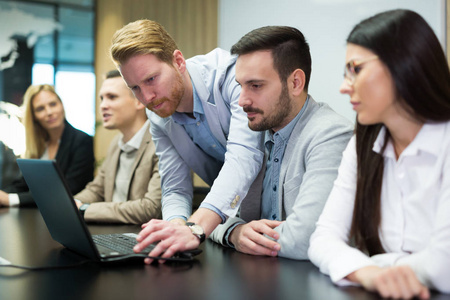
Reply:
x=217, y=273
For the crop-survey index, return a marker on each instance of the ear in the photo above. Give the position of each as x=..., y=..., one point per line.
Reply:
x=139, y=105
x=179, y=62
x=297, y=82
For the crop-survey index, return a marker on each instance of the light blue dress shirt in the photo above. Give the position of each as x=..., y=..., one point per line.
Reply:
x=200, y=133
x=230, y=179
x=197, y=128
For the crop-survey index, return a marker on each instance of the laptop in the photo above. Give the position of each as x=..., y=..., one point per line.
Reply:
x=66, y=225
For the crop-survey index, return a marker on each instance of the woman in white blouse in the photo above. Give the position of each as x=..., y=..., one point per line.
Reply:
x=386, y=224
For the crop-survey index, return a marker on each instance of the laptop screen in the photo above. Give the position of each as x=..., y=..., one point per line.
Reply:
x=57, y=206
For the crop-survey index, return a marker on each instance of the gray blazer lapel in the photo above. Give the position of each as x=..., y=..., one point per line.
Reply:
x=291, y=148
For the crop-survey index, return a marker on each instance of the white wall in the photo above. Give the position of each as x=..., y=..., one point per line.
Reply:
x=325, y=24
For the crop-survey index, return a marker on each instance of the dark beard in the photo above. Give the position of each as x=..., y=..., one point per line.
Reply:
x=285, y=107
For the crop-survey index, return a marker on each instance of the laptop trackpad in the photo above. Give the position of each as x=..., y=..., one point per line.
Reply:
x=106, y=252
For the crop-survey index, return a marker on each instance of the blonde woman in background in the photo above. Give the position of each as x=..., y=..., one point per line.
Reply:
x=50, y=136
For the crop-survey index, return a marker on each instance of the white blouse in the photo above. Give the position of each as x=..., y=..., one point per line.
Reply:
x=415, y=212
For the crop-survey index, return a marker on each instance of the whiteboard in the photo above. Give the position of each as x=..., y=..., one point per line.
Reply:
x=326, y=25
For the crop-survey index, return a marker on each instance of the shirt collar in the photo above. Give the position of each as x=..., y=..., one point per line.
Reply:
x=183, y=119
x=135, y=142
x=198, y=107
x=285, y=132
x=428, y=139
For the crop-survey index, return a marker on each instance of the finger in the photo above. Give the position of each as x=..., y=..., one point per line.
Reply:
x=383, y=284
x=145, y=239
x=154, y=253
x=424, y=293
x=153, y=221
x=405, y=288
x=148, y=261
x=250, y=247
x=256, y=245
x=146, y=230
x=250, y=239
x=397, y=282
x=155, y=236
x=272, y=223
x=151, y=227
x=264, y=241
x=143, y=242
x=264, y=228
x=415, y=287
x=159, y=249
x=169, y=253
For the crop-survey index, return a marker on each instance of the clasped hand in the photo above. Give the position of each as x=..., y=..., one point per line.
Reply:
x=249, y=238
x=172, y=238
x=398, y=282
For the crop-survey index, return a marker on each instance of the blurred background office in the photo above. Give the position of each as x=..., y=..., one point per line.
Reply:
x=66, y=43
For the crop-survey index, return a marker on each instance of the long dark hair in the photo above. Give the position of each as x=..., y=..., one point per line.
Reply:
x=407, y=45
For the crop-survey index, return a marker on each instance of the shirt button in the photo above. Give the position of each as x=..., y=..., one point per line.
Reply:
x=214, y=146
x=274, y=187
x=198, y=123
x=274, y=217
x=275, y=160
x=235, y=201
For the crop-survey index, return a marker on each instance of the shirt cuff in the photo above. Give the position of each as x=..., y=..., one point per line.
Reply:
x=214, y=209
x=228, y=232
x=387, y=259
x=346, y=282
x=177, y=217
x=14, y=200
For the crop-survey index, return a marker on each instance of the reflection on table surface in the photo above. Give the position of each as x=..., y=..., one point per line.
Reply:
x=217, y=273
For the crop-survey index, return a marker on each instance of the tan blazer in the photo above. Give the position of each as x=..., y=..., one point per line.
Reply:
x=144, y=191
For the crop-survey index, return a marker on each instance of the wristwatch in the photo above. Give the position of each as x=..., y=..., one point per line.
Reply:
x=83, y=208
x=197, y=230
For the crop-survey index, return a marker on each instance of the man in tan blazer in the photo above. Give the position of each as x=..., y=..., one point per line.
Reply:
x=127, y=188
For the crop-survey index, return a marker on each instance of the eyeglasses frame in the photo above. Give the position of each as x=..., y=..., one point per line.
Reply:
x=349, y=69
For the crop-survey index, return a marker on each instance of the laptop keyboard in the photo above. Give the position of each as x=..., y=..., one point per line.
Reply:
x=121, y=243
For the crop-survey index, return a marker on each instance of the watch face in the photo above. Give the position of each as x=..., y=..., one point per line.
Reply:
x=196, y=229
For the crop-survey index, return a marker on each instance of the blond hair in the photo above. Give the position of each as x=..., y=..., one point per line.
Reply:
x=35, y=135
x=139, y=38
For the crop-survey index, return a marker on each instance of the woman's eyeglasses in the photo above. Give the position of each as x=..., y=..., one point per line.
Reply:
x=352, y=69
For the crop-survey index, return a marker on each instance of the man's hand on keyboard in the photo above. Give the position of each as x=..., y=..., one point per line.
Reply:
x=172, y=238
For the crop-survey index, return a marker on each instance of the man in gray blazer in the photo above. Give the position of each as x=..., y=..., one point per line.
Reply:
x=196, y=124
x=304, y=142
x=127, y=188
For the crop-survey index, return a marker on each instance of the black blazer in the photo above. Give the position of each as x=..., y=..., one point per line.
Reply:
x=9, y=169
x=75, y=158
